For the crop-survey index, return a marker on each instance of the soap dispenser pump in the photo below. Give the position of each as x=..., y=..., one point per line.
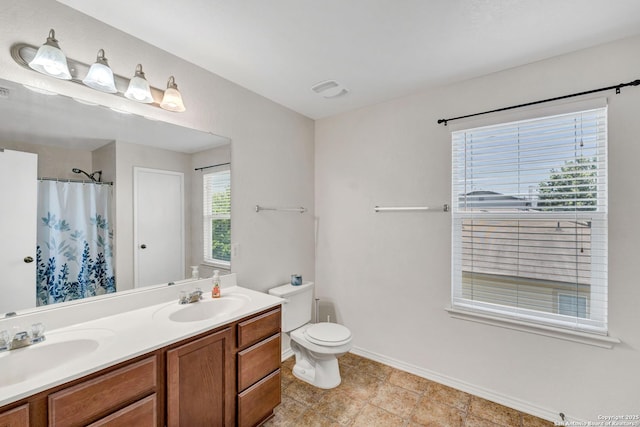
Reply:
x=215, y=292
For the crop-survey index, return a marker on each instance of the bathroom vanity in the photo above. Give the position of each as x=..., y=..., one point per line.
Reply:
x=205, y=364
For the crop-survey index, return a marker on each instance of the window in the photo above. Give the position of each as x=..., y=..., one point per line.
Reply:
x=529, y=227
x=217, y=217
x=572, y=305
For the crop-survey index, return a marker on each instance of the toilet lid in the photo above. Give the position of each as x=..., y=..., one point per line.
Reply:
x=329, y=334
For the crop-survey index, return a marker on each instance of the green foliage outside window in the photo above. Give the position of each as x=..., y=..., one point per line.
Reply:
x=221, y=227
x=573, y=185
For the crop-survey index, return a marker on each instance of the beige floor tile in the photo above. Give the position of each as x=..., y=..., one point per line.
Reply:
x=450, y=396
x=409, y=381
x=372, y=394
x=372, y=416
x=303, y=392
x=373, y=368
x=435, y=414
x=531, y=421
x=349, y=359
x=471, y=421
x=359, y=385
x=313, y=419
x=287, y=413
x=286, y=377
x=397, y=400
x=339, y=407
x=494, y=412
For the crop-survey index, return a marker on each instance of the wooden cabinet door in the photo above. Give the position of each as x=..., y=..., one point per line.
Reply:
x=258, y=361
x=200, y=382
x=255, y=404
x=143, y=413
x=100, y=396
x=258, y=328
x=17, y=417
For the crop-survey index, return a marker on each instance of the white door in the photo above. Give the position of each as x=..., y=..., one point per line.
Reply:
x=158, y=212
x=19, y=195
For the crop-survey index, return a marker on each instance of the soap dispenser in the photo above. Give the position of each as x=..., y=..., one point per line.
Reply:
x=215, y=292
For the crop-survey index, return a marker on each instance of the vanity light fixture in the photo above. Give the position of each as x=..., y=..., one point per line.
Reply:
x=172, y=100
x=50, y=59
x=138, y=89
x=100, y=76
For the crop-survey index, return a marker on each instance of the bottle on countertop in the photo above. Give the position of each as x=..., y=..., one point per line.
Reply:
x=215, y=292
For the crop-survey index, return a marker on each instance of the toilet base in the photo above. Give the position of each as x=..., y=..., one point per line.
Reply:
x=325, y=374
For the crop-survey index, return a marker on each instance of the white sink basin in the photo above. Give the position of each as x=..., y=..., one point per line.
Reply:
x=57, y=351
x=206, y=309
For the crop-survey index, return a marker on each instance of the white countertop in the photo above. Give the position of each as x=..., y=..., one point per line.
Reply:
x=80, y=349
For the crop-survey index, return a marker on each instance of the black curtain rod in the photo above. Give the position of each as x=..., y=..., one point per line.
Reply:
x=616, y=87
x=212, y=166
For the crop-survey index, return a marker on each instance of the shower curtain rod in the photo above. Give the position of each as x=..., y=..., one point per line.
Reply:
x=83, y=181
x=616, y=87
x=212, y=166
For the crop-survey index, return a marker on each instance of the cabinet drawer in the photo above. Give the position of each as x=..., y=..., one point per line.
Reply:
x=16, y=417
x=139, y=414
x=91, y=399
x=257, y=402
x=253, y=330
x=258, y=361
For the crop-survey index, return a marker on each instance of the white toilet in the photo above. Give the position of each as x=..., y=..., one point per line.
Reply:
x=316, y=346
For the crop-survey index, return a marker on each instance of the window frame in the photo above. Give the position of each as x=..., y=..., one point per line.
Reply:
x=463, y=308
x=208, y=217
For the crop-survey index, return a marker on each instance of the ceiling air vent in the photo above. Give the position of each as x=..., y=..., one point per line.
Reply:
x=329, y=89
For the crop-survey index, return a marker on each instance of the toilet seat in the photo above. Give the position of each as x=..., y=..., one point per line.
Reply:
x=327, y=334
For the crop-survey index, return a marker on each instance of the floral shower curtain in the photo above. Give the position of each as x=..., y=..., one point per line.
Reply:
x=75, y=241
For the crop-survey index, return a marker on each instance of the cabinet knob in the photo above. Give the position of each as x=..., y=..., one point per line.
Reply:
x=143, y=246
x=28, y=259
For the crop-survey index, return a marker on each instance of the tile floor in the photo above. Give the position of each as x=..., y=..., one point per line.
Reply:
x=373, y=394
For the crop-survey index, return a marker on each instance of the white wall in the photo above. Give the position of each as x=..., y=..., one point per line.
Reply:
x=54, y=162
x=272, y=146
x=389, y=274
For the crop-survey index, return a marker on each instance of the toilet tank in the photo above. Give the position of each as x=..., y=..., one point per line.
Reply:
x=296, y=311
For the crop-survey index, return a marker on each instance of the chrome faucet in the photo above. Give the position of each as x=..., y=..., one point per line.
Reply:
x=22, y=338
x=192, y=297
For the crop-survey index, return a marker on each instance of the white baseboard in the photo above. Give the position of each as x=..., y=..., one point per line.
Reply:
x=286, y=353
x=508, y=401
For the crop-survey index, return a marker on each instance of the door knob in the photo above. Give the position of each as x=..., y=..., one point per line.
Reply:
x=28, y=259
x=143, y=246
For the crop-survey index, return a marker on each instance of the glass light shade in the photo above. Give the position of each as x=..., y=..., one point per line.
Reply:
x=50, y=59
x=139, y=89
x=100, y=76
x=172, y=100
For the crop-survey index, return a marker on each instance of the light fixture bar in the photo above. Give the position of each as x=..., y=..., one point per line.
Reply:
x=23, y=53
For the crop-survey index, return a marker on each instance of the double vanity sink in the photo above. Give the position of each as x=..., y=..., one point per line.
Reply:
x=209, y=309
x=57, y=352
x=80, y=350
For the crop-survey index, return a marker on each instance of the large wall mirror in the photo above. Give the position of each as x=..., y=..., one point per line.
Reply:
x=145, y=214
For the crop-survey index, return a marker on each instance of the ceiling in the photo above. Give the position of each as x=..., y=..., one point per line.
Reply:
x=377, y=49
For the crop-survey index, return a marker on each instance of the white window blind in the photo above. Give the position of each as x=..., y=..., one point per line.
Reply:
x=529, y=225
x=217, y=217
